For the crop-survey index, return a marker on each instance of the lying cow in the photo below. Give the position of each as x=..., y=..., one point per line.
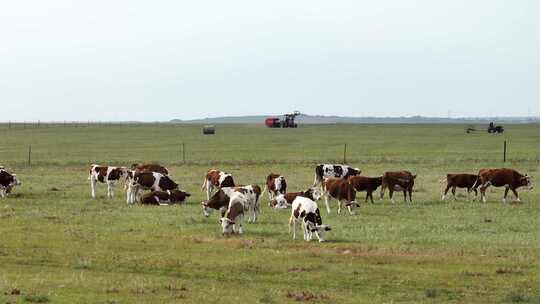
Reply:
x=324, y=171
x=148, y=180
x=168, y=197
x=276, y=185
x=284, y=201
x=307, y=211
x=7, y=182
x=398, y=181
x=461, y=180
x=508, y=178
x=220, y=200
x=234, y=215
x=342, y=190
x=216, y=179
x=108, y=175
x=368, y=184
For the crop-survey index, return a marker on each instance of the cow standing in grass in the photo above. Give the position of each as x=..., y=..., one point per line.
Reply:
x=461, y=180
x=221, y=199
x=148, y=180
x=307, y=212
x=215, y=179
x=276, y=185
x=7, y=182
x=368, y=184
x=343, y=191
x=234, y=215
x=324, y=171
x=398, y=181
x=504, y=177
x=107, y=175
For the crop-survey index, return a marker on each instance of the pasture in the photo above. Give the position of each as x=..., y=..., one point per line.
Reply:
x=58, y=245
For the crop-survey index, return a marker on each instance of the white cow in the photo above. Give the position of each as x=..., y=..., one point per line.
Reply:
x=307, y=211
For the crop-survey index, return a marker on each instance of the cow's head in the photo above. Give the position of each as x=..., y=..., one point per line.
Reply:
x=279, y=202
x=526, y=181
x=319, y=229
x=226, y=225
x=314, y=192
x=15, y=181
x=352, y=205
x=178, y=196
x=205, y=209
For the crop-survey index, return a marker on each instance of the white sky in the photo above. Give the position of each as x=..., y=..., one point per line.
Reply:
x=159, y=60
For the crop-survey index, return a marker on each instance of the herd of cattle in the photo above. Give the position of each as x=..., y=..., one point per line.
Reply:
x=332, y=181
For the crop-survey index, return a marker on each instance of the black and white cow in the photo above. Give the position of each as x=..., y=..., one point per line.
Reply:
x=148, y=180
x=306, y=211
x=324, y=171
x=107, y=175
x=7, y=182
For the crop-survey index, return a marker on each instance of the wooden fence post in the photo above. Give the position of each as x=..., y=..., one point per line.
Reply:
x=504, y=152
x=29, y=155
x=345, y=154
x=183, y=152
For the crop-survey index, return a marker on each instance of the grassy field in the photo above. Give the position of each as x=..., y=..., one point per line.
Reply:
x=58, y=245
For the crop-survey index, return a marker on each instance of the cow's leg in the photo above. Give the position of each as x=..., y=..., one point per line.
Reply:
x=292, y=225
x=240, y=221
x=475, y=193
x=454, y=193
x=2, y=193
x=405, y=195
x=93, y=183
x=448, y=186
x=483, y=191
x=391, y=194
x=505, y=194
x=410, y=194
x=208, y=189
x=339, y=206
x=327, y=203
x=110, y=189
x=516, y=195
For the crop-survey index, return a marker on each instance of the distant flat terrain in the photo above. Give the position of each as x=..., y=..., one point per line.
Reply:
x=59, y=245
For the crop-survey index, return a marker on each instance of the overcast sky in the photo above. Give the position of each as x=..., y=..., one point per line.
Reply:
x=159, y=60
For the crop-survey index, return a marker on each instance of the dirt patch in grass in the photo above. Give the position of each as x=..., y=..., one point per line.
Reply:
x=508, y=270
x=13, y=292
x=473, y=274
x=306, y=296
x=297, y=270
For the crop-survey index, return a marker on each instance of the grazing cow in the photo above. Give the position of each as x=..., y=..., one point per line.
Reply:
x=234, y=214
x=284, y=201
x=342, y=190
x=220, y=200
x=368, y=184
x=168, y=197
x=216, y=179
x=7, y=182
x=324, y=171
x=276, y=184
x=150, y=167
x=508, y=178
x=398, y=181
x=307, y=211
x=108, y=175
x=148, y=180
x=461, y=180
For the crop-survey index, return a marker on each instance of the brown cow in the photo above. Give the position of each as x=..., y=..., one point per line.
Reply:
x=342, y=191
x=396, y=181
x=148, y=180
x=220, y=200
x=150, y=167
x=504, y=177
x=284, y=201
x=276, y=185
x=368, y=184
x=215, y=179
x=165, y=197
x=461, y=180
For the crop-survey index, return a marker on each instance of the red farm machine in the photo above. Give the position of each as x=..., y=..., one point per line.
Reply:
x=287, y=122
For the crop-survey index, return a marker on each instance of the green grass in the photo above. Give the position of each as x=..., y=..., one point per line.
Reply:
x=63, y=247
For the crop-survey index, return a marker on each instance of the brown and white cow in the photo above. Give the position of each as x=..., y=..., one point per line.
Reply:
x=284, y=201
x=368, y=184
x=324, y=171
x=234, y=214
x=398, y=181
x=460, y=180
x=220, y=200
x=504, y=177
x=342, y=190
x=276, y=185
x=7, y=182
x=148, y=180
x=150, y=167
x=168, y=197
x=215, y=179
x=108, y=175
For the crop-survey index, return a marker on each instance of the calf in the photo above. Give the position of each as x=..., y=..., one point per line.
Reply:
x=234, y=214
x=220, y=200
x=508, y=178
x=7, y=182
x=165, y=197
x=461, y=180
x=307, y=211
x=396, y=181
x=108, y=175
x=284, y=201
x=324, y=171
x=148, y=180
x=342, y=190
x=216, y=179
x=368, y=184
x=276, y=184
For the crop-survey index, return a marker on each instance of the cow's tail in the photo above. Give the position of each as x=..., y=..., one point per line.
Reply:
x=477, y=182
x=264, y=189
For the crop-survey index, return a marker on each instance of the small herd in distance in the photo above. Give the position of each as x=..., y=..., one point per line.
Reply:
x=332, y=182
